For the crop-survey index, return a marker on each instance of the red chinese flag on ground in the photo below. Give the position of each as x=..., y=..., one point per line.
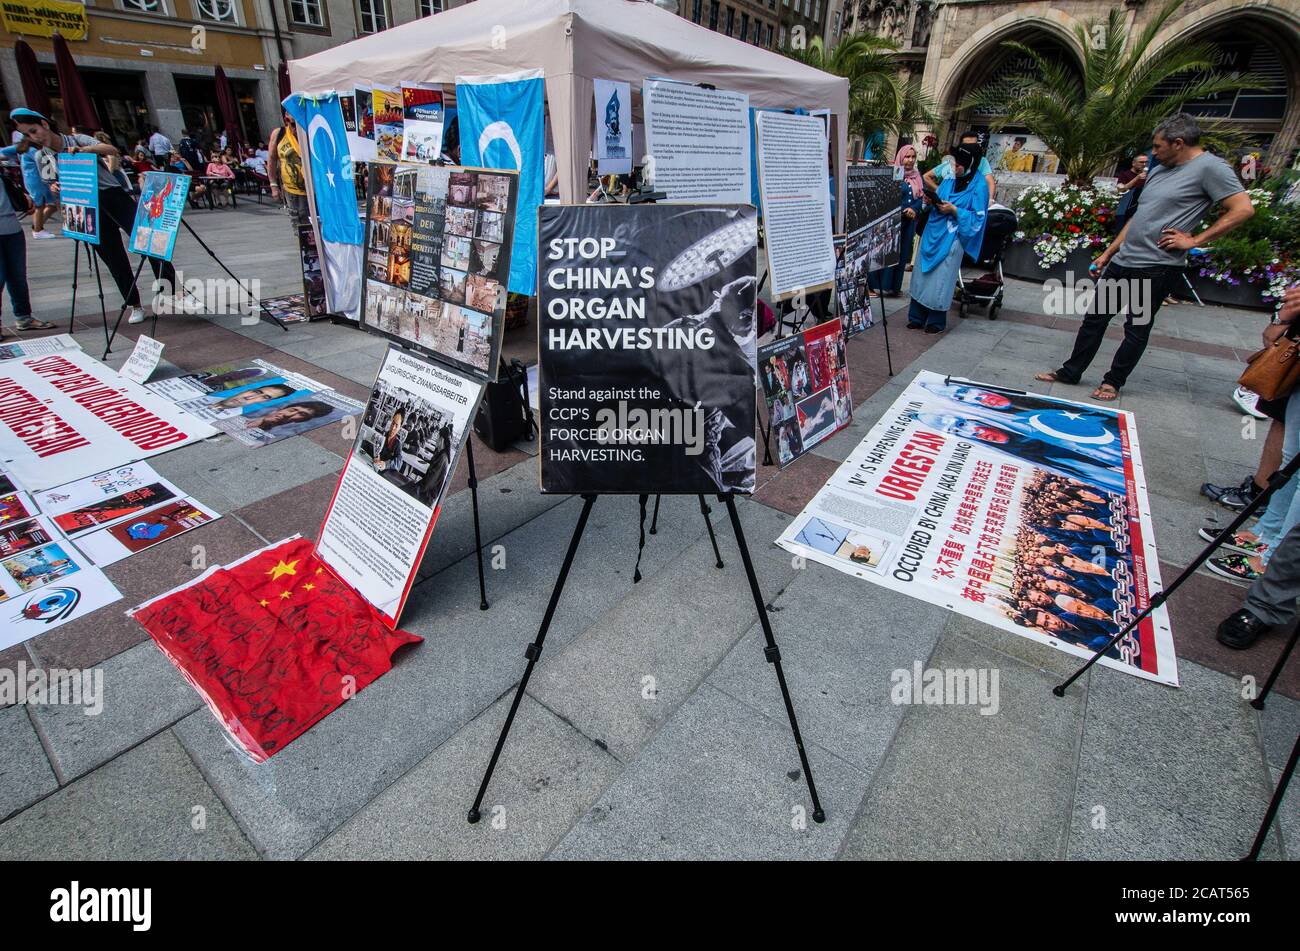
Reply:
x=272, y=643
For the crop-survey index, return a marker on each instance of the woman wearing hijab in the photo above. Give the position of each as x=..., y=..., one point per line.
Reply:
x=891, y=278
x=957, y=220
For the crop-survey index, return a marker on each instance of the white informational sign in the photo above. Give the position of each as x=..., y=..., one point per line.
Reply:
x=143, y=360
x=390, y=493
x=1028, y=513
x=794, y=183
x=612, y=142
x=66, y=415
x=36, y=348
x=699, y=141
x=45, y=582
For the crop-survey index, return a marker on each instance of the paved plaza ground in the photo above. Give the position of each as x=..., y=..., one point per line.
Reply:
x=703, y=765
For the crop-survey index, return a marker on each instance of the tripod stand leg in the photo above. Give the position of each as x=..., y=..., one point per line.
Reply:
x=713, y=539
x=766, y=430
x=76, y=270
x=773, y=653
x=884, y=323
x=478, y=537
x=654, y=519
x=122, y=313
x=533, y=651
x=1277, y=479
x=212, y=254
x=1275, y=803
x=1258, y=702
x=103, y=311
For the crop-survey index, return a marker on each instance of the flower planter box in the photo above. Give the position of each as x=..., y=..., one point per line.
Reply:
x=1231, y=295
x=1021, y=262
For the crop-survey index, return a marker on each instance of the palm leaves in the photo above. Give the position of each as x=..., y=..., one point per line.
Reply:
x=1092, y=119
x=880, y=99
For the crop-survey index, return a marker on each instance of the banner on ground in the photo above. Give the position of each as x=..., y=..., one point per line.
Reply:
x=273, y=643
x=422, y=116
x=1025, y=512
x=805, y=381
x=852, y=289
x=46, y=582
x=38, y=347
x=391, y=490
x=502, y=126
x=255, y=401
x=795, y=184
x=647, y=337
x=289, y=308
x=613, y=142
x=698, y=140
x=66, y=415
x=79, y=195
x=158, y=214
x=438, y=257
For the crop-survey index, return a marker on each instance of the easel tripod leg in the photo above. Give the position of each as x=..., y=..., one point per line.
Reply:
x=76, y=270
x=713, y=538
x=1275, y=803
x=1258, y=702
x=533, y=651
x=478, y=537
x=773, y=654
x=122, y=313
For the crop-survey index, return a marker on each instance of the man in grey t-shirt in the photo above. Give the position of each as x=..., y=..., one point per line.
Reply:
x=1146, y=258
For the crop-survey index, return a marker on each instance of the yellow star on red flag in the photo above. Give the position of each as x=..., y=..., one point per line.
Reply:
x=283, y=568
x=285, y=594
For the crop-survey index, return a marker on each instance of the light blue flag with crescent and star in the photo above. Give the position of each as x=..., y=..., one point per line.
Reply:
x=502, y=125
x=320, y=125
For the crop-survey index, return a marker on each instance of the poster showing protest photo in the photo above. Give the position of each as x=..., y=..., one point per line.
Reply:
x=313, y=281
x=438, y=242
x=361, y=141
x=24, y=536
x=46, y=587
x=852, y=289
x=390, y=493
x=79, y=196
x=422, y=123
x=613, y=140
x=871, y=192
x=289, y=308
x=255, y=401
x=11, y=350
x=699, y=140
x=1025, y=512
x=647, y=337
x=144, y=530
x=65, y=416
x=158, y=214
x=1021, y=152
x=386, y=110
x=794, y=183
x=805, y=381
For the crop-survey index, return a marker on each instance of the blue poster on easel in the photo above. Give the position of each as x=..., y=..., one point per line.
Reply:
x=158, y=216
x=79, y=195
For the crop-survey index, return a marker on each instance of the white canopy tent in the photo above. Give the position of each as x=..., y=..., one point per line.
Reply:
x=574, y=42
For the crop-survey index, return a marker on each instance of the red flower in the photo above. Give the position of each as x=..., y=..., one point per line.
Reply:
x=1074, y=229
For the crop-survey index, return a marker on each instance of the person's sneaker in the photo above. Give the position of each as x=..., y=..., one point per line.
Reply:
x=1238, y=543
x=31, y=323
x=43, y=235
x=1236, y=567
x=1213, y=492
x=1247, y=399
x=137, y=316
x=1238, y=498
x=1240, y=630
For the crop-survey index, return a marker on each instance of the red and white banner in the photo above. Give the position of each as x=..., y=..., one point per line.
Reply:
x=65, y=415
x=1025, y=512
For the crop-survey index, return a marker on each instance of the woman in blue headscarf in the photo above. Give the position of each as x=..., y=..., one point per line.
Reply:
x=956, y=223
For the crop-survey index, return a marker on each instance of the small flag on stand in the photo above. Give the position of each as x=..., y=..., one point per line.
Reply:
x=273, y=642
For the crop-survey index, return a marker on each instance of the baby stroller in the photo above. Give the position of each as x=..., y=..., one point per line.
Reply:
x=986, y=289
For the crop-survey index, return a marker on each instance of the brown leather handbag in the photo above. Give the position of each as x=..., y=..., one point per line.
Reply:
x=1272, y=373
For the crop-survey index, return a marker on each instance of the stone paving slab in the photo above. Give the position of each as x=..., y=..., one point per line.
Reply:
x=142, y=806
x=1178, y=772
x=548, y=776
x=25, y=773
x=718, y=782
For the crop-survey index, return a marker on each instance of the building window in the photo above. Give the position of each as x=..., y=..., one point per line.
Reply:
x=767, y=40
x=757, y=39
x=817, y=11
x=372, y=16
x=429, y=7
x=782, y=34
x=731, y=20
x=306, y=13
x=713, y=14
x=744, y=25
x=697, y=8
x=220, y=11
x=836, y=31
x=145, y=6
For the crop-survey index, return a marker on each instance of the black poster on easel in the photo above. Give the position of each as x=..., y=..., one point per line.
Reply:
x=647, y=338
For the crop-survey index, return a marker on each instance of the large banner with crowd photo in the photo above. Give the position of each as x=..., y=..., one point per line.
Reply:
x=1022, y=511
x=647, y=342
x=438, y=244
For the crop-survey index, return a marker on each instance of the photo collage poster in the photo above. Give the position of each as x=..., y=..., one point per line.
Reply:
x=873, y=232
x=1026, y=512
x=386, y=109
x=158, y=214
x=647, y=339
x=805, y=380
x=390, y=493
x=852, y=290
x=79, y=196
x=313, y=280
x=438, y=242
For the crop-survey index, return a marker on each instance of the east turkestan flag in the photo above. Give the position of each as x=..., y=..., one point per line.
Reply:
x=320, y=125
